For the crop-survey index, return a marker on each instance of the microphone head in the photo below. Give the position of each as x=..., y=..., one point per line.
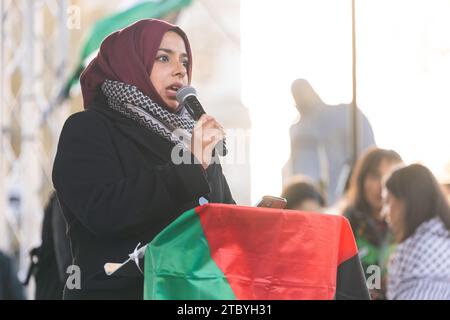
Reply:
x=185, y=92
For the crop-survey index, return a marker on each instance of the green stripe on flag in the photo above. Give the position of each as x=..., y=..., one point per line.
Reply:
x=178, y=264
x=117, y=21
x=142, y=10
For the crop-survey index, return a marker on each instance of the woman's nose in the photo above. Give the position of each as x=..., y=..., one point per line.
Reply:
x=180, y=70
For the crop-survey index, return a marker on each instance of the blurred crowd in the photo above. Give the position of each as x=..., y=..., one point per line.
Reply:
x=399, y=213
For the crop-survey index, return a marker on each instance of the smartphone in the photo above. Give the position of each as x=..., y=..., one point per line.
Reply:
x=272, y=202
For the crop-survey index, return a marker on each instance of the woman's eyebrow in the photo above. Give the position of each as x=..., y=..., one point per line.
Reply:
x=170, y=51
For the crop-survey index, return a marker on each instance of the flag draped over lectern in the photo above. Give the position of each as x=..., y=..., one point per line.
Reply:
x=219, y=251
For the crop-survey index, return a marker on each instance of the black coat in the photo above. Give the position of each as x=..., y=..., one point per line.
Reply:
x=117, y=186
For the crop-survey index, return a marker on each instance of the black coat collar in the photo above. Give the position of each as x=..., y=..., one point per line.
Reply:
x=144, y=137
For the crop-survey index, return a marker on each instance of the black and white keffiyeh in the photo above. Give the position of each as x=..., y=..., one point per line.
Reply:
x=420, y=266
x=133, y=104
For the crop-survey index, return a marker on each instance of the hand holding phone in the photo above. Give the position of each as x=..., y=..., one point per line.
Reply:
x=272, y=202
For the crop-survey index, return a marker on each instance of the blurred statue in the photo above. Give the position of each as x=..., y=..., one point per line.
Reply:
x=321, y=141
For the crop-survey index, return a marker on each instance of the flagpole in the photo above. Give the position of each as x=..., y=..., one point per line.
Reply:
x=354, y=101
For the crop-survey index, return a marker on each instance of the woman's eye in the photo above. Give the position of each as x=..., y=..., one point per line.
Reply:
x=162, y=58
x=186, y=64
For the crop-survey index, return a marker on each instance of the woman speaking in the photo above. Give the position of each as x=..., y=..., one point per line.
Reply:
x=113, y=173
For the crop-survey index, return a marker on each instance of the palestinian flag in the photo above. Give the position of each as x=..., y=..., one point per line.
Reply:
x=219, y=251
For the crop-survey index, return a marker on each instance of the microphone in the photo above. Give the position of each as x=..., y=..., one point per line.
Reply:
x=187, y=96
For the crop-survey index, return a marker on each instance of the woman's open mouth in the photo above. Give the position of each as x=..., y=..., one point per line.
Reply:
x=172, y=90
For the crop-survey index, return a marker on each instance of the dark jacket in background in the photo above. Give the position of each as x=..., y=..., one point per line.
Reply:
x=10, y=287
x=50, y=260
x=117, y=186
x=375, y=244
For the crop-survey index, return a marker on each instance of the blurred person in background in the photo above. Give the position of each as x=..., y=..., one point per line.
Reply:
x=444, y=180
x=420, y=218
x=303, y=195
x=10, y=287
x=364, y=204
x=53, y=256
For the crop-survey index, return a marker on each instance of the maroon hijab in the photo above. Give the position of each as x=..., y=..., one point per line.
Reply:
x=128, y=56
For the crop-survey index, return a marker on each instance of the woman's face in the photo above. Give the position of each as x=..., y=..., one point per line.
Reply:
x=373, y=185
x=395, y=210
x=169, y=72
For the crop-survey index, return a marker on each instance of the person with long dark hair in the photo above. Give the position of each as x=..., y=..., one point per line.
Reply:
x=364, y=211
x=115, y=174
x=419, y=214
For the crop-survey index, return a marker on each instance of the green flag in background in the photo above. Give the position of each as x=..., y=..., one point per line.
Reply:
x=102, y=28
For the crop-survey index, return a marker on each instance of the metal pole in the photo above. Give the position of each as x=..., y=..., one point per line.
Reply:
x=354, y=100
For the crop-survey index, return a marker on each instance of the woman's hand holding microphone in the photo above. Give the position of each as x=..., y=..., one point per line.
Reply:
x=206, y=134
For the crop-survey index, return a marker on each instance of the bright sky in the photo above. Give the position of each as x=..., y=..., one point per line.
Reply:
x=403, y=49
